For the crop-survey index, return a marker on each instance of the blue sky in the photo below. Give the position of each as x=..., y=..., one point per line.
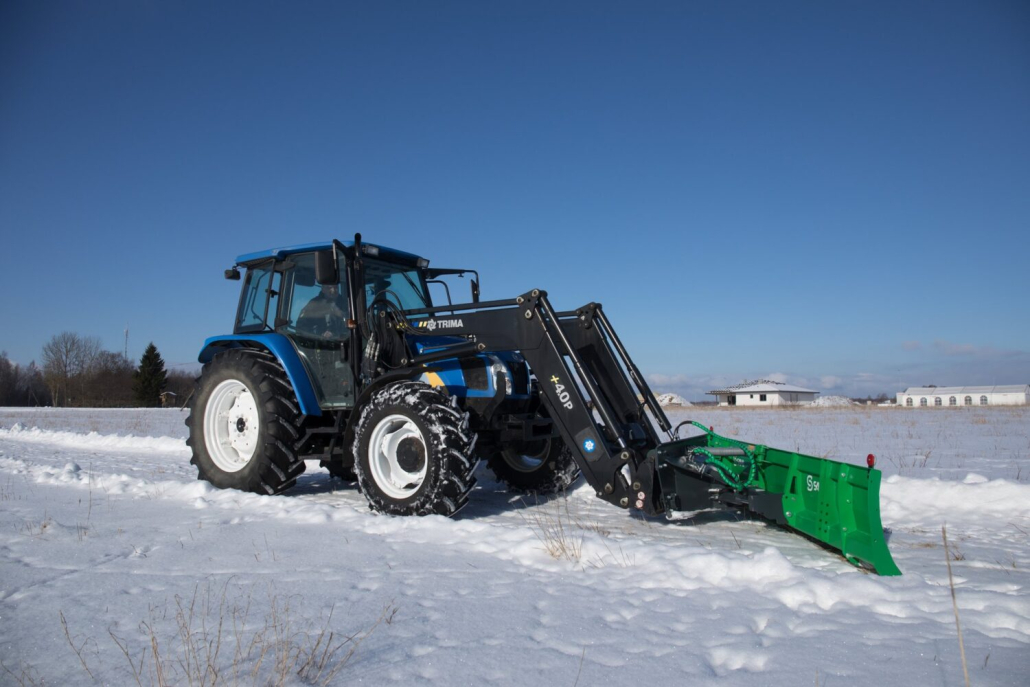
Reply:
x=835, y=194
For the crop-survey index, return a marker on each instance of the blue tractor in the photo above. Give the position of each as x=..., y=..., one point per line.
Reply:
x=322, y=366
x=340, y=355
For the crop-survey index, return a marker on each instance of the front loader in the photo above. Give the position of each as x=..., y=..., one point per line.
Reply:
x=404, y=397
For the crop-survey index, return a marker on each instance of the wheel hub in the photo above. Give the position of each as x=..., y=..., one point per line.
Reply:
x=397, y=456
x=411, y=454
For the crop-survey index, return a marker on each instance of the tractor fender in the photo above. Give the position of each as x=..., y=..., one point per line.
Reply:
x=279, y=346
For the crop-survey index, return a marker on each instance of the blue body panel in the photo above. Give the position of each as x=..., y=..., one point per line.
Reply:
x=450, y=371
x=384, y=252
x=283, y=350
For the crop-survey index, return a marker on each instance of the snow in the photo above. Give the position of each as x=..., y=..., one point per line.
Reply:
x=832, y=402
x=671, y=399
x=104, y=524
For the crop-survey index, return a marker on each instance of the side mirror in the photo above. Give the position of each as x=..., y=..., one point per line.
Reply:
x=233, y=274
x=325, y=268
x=475, y=291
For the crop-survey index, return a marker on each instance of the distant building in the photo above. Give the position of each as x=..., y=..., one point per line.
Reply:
x=946, y=396
x=670, y=400
x=763, y=392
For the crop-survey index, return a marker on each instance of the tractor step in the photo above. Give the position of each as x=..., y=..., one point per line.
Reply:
x=834, y=503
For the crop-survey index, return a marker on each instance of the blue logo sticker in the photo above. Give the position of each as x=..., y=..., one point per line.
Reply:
x=589, y=445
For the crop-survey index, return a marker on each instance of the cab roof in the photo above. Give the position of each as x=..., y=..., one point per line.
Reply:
x=277, y=253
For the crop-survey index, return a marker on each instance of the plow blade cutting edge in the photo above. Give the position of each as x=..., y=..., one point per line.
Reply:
x=834, y=503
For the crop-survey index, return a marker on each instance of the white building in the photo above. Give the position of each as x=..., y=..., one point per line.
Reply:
x=945, y=396
x=763, y=392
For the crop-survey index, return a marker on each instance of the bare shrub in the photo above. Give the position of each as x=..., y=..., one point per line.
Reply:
x=563, y=535
x=26, y=675
x=214, y=642
x=557, y=534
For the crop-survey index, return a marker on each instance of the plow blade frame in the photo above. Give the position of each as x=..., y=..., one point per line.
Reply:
x=834, y=503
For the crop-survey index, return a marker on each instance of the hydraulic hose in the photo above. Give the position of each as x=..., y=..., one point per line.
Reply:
x=725, y=466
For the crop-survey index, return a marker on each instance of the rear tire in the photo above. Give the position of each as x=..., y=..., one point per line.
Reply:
x=542, y=467
x=413, y=452
x=243, y=423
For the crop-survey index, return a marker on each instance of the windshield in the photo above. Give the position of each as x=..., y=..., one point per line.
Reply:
x=401, y=284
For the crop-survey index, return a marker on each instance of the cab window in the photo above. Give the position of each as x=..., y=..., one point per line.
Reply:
x=258, y=298
x=312, y=309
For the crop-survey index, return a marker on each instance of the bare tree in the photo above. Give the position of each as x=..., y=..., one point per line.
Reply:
x=21, y=385
x=10, y=381
x=68, y=360
x=58, y=354
x=34, y=391
x=108, y=382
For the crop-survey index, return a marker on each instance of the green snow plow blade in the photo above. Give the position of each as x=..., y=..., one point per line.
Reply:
x=835, y=503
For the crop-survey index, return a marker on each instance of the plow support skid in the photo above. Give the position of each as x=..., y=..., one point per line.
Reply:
x=835, y=503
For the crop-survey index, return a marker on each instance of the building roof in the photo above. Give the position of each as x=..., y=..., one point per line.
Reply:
x=960, y=390
x=763, y=385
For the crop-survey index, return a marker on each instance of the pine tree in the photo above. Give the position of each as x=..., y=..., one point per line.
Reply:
x=149, y=379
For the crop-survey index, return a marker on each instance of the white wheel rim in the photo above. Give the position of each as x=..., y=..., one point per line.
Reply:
x=231, y=426
x=389, y=447
x=525, y=462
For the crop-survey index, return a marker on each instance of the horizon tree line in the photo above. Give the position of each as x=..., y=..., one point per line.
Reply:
x=77, y=372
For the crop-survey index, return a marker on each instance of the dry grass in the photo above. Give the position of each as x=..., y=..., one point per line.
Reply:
x=563, y=534
x=26, y=675
x=561, y=539
x=38, y=529
x=954, y=604
x=214, y=642
x=7, y=492
x=77, y=649
x=140, y=424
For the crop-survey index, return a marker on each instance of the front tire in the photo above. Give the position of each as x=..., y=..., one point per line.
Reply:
x=413, y=452
x=243, y=423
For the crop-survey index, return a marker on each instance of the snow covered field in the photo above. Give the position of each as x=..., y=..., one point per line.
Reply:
x=112, y=551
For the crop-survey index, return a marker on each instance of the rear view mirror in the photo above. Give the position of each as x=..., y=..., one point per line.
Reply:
x=475, y=291
x=325, y=268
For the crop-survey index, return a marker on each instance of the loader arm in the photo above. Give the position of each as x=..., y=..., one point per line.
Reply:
x=591, y=388
x=603, y=409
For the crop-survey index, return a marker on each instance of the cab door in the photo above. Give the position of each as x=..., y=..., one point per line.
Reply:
x=314, y=317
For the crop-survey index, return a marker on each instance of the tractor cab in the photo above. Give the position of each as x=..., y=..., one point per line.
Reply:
x=320, y=296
